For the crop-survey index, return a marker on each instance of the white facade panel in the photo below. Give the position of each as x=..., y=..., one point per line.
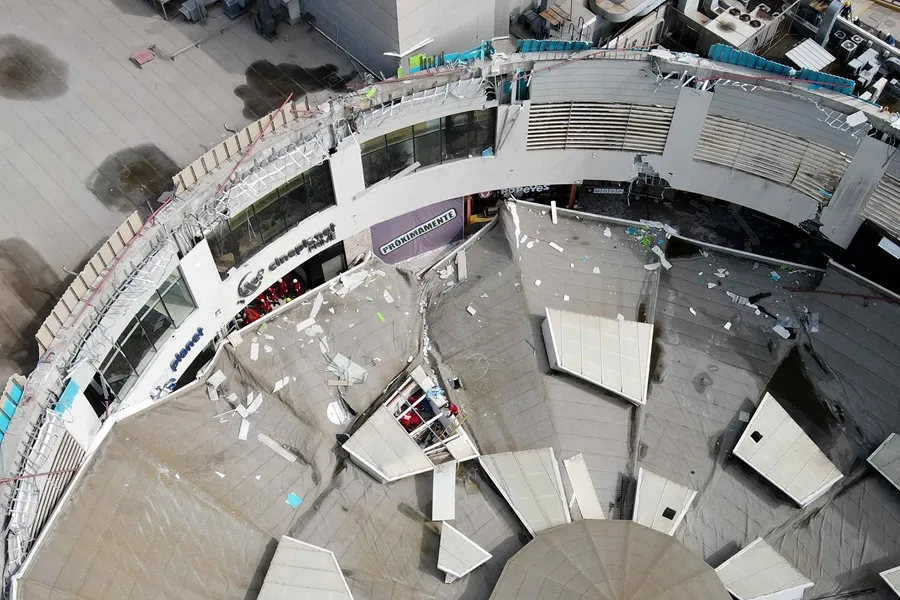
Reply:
x=758, y=571
x=583, y=487
x=301, y=570
x=661, y=504
x=458, y=555
x=443, y=492
x=892, y=578
x=530, y=481
x=611, y=353
x=778, y=449
x=382, y=444
x=886, y=459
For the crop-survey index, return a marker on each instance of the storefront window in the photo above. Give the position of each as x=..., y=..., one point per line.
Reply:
x=167, y=309
x=234, y=242
x=428, y=143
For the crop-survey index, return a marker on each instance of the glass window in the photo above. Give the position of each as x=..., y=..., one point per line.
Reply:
x=270, y=218
x=428, y=149
x=177, y=298
x=155, y=321
x=433, y=142
x=400, y=156
x=375, y=167
x=136, y=346
x=117, y=372
x=245, y=234
x=372, y=145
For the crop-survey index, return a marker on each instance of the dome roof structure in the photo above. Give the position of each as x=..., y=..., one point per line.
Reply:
x=607, y=560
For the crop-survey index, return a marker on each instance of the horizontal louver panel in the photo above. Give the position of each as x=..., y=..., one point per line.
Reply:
x=883, y=206
x=598, y=126
x=805, y=166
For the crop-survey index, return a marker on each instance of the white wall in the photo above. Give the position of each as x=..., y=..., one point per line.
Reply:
x=358, y=208
x=455, y=25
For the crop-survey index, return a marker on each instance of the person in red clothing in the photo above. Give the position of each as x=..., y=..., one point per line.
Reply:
x=296, y=288
x=250, y=315
x=282, y=288
x=264, y=305
x=410, y=420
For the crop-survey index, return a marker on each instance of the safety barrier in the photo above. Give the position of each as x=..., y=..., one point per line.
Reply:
x=551, y=46
x=733, y=56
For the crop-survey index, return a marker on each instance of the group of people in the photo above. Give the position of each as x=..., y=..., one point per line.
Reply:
x=279, y=293
x=847, y=13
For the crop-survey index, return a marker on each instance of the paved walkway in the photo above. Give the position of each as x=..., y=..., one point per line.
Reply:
x=878, y=17
x=86, y=136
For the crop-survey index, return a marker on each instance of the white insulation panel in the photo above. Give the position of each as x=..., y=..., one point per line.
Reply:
x=611, y=353
x=382, y=444
x=886, y=459
x=758, y=571
x=775, y=446
x=659, y=503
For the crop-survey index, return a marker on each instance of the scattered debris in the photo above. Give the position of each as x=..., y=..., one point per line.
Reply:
x=254, y=351
x=461, y=267
x=212, y=393
x=305, y=324
x=483, y=296
x=268, y=349
x=711, y=285
x=222, y=475
x=276, y=447
x=722, y=273
x=524, y=238
x=565, y=297
x=281, y=383
x=314, y=330
x=446, y=272
x=244, y=430
x=782, y=331
x=235, y=339
x=662, y=257
x=556, y=247
x=380, y=316
x=620, y=317
x=387, y=297
x=232, y=397
x=470, y=309
x=607, y=232
x=537, y=282
x=774, y=276
x=254, y=406
x=744, y=416
x=529, y=245
x=728, y=325
x=338, y=382
x=216, y=379
x=553, y=211
x=596, y=270
x=344, y=368
x=693, y=312
x=652, y=266
x=293, y=500
x=812, y=322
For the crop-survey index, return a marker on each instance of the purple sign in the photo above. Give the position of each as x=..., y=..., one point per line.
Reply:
x=419, y=231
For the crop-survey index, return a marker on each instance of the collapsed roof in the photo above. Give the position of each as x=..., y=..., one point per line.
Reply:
x=175, y=488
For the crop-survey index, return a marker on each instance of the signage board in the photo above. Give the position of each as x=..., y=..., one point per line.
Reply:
x=419, y=231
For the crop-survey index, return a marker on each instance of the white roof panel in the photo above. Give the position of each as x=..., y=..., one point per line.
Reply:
x=660, y=504
x=443, y=492
x=778, y=449
x=301, y=570
x=886, y=459
x=458, y=555
x=530, y=481
x=583, y=487
x=758, y=571
x=809, y=55
x=611, y=353
x=382, y=444
x=892, y=578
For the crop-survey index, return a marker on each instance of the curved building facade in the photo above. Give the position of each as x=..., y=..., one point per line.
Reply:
x=397, y=169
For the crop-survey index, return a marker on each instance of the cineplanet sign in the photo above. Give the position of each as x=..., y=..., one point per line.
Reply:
x=418, y=231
